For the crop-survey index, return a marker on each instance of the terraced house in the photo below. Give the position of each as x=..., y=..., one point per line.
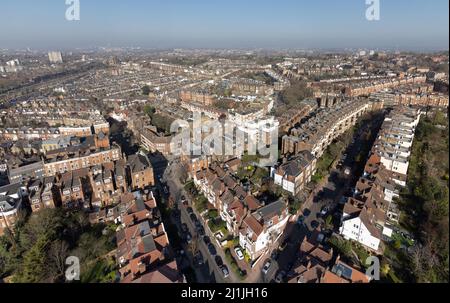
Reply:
x=316, y=134
x=368, y=214
x=143, y=248
x=256, y=225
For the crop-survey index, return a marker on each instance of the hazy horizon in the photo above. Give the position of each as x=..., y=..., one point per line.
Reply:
x=409, y=25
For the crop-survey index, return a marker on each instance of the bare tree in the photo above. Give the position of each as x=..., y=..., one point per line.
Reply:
x=58, y=252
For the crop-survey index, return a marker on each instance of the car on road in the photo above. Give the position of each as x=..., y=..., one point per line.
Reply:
x=280, y=276
x=266, y=267
x=212, y=249
x=219, y=261
x=190, y=210
x=198, y=259
x=225, y=271
x=239, y=253
x=193, y=218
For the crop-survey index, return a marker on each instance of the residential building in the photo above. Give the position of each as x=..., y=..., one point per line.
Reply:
x=155, y=142
x=141, y=171
x=10, y=205
x=262, y=228
x=294, y=174
x=318, y=133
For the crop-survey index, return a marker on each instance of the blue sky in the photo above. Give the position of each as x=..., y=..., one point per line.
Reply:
x=404, y=24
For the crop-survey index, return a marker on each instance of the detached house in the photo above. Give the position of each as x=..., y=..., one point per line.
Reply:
x=262, y=228
x=362, y=224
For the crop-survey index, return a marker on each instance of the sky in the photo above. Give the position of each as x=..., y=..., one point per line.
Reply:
x=296, y=24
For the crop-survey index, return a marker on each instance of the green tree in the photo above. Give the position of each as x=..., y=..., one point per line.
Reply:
x=33, y=269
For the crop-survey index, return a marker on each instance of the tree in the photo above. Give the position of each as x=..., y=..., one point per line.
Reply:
x=329, y=222
x=297, y=92
x=33, y=269
x=58, y=252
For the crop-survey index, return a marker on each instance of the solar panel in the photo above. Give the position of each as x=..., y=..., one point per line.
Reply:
x=343, y=271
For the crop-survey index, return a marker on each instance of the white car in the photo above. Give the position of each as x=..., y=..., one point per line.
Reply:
x=266, y=267
x=239, y=253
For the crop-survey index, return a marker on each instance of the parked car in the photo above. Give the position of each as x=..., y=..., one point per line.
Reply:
x=219, y=261
x=347, y=171
x=306, y=212
x=193, y=218
x=280, y=276
x=201, y=230
x=266, y=267
x=315, y=224
x=301, y=220
x=207, y=240
x=225, y=271
x=239, y=253
x=176, y=214
x=188, y=237
x=212, y=249
x=275, y=254
x=284, y=244
x=324, y=211
x=184, y=228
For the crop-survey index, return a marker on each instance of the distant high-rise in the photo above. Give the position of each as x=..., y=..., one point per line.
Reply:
x=55, y=57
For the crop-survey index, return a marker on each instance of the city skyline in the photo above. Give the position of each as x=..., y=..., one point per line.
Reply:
x=403, y=25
